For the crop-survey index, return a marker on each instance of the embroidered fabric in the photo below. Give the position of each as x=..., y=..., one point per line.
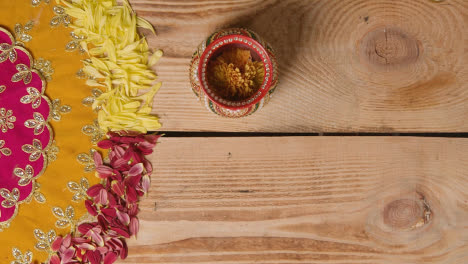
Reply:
x=25, y=132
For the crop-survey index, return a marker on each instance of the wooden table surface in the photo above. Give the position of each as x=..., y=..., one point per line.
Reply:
x=347, y=66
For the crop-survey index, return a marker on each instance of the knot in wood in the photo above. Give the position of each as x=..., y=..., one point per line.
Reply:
x=403, y=214
x=389, y=47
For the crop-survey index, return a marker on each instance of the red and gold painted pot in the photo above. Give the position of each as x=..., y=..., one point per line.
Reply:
x=211, y=48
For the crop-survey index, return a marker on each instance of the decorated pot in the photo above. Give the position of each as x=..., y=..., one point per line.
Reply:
x=210, y=49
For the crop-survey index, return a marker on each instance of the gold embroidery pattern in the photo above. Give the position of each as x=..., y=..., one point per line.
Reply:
x=52, y=151
x=8, y=52
x=58, y=109
x=44, y=240
x=44, y=67
x=4, y=150
x=38, y=123
x=11, y=198
x=61, y=17
x=26, y=175
x=38, y=196
x=35, y=150
x=24, y=73
x=33, y=97
x=75, y=43
x=88, y=101
x=65, y=217
x=20, y=258
x=79, y=189
x=87, y=160
x=38, y=2
x=21, y=33
x=6, y=120
x=93, y=131
x=80, y=74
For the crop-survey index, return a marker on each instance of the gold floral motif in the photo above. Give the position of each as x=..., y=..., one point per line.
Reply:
x=93, y=131
x=6, y=119
x=65, y=217
x=38, y=123
x=38, y=196
x=35, y=149
x=26, y=175
x=11, y=198
x=61, y=17
x=58, y=109
x=4, y=226
x=24, y=73
x=79, y=189
x=44, y=67
x=87, y=160
x=4, y=150
x=20, y=258
x=88, y=101
x=8, y=52
x=52, y=151
x=2, y=88
x=44, y=240
x=74, y=44
x=21, y=33
x=80, y=74
x=33, y=97
x=38, y=2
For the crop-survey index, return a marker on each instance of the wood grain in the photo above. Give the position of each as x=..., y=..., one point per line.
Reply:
x=345, y=65
x=306, y=200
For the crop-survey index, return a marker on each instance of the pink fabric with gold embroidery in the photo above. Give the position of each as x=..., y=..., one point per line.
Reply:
x=22, y=99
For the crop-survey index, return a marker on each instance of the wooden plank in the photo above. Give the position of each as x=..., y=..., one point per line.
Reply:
x=306, y=200
x=346, y=65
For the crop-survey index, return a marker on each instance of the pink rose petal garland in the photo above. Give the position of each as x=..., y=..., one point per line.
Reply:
x=113, y=203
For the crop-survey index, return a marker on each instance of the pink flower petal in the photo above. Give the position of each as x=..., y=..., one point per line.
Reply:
x=103, y=250
x=132, y=195
x=134, y=226
x=86, y=246
x=145, y=183
x=110, y=258
x=57, y=243
x=148, y=166
x=123, y=218
x=109, y=212
x=118, y=188
x=104, y=171
x=105, y=144
x=96, y=237
x=91, y=208
x=121, y=232
x=67, y=241
x=94, y=190
x=68, y=255
x=102, y=198
x=137, y=169
x=85, y=227
x=124, y=251
x=97, y=159
x=54, y=260
x=94, y=257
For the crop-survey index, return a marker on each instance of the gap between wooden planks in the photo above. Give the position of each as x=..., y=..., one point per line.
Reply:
x=345, y=65
x=306, y=200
